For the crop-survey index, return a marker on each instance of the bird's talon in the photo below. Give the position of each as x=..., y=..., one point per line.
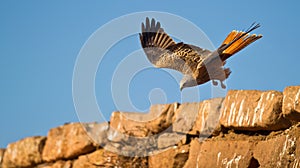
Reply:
x=215, y=83
x=223, y=85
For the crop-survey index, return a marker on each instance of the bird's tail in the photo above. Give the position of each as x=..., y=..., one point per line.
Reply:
x=236, y=41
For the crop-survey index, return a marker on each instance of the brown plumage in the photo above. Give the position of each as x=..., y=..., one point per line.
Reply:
x=197, y=65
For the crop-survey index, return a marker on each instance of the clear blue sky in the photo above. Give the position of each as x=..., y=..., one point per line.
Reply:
x=40, y=41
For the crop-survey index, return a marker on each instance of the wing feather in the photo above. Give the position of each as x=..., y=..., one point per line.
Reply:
x=163, y=52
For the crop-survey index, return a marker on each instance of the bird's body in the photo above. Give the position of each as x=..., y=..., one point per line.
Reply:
x=197, y=65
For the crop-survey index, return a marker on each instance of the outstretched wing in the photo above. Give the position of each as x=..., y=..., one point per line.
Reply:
x=163, y=52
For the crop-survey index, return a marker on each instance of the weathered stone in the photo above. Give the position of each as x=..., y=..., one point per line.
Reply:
x=135, y=134
x=291, y=102
x=24, y=153
x=170, y=139
x=185, y=117
x=207, y=121
x=195, y=147
x=198, y=118
x=103, y=158
x=116, y=142
x=163, y=117
x=253, y=110
x=67, y=142
x=1, y=156
x=57, y=164
x=127, y=145
x=297, y=153
x=114, y=135
x=97, y=133
x=120, y=122
x=174, y=135
x=155, y=111
x=170, y=158
x=220, y=154
x=279, y=151
x=141, y=125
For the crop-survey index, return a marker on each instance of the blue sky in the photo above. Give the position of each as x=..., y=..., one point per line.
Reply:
x=40, y=42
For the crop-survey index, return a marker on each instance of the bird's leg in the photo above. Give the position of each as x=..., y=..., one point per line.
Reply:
x=215, y=83
x=223, y=85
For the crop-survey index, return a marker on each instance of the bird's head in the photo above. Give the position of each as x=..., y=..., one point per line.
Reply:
x=187, y=81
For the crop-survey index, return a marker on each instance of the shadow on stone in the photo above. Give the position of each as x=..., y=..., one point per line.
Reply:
x=253, y=163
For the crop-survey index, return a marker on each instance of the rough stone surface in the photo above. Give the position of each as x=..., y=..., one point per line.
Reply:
x=163, y=119
x=24, y=153
x=259, y=129
x=198, y=118
x=207, y=121
x=170, y=139
x=174, y=157
x=185, y=117
x=1, y=156
x=291, y=102
x=141, y=125
x=253, y=110
x=297, y=151
x=97, y=132
x=279, y=151
x=67, y=142
x=103, y=158
x=195, y=147
x=131, y=146
x=122, y=123
x=57, y=164
x=224, y=154
x=135, y=134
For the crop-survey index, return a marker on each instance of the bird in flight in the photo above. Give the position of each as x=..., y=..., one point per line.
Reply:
x=197, y=65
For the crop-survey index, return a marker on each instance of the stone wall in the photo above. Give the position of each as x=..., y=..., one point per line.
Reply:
x=247, y=128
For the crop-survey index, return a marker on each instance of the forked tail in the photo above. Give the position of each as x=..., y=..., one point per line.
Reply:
x=236, y=41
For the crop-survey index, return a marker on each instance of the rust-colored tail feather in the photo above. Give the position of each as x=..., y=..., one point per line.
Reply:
x=239, y=44
x=236, y=41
